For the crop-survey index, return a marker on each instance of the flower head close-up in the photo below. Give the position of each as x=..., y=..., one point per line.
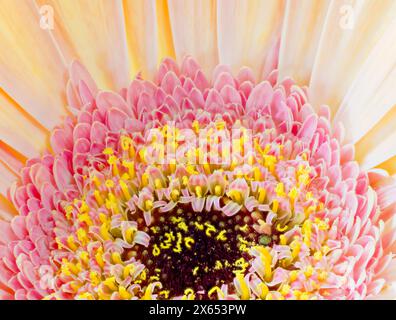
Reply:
x=197, y=150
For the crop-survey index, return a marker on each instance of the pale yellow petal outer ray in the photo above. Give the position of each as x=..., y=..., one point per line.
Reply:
x=31, y=70
x=351, y=30
x=93, y=32
x=193, y=26
x=379, y=144
x=7, y=177
x=302, y=27
x=247, y=30
x=142, y=35
x=389, y=165
x=7, y=209
x=165, y=40
x=19, y=129
x=373, y=93
x=11, y=158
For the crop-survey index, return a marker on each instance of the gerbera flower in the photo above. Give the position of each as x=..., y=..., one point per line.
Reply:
x=211, y=174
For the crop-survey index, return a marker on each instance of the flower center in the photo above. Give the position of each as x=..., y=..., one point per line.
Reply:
x=158, y=219
x=195, y=252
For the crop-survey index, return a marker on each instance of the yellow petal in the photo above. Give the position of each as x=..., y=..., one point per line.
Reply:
x=302, y=27
x=352, y=28
x=194, y=31
x=247, y=30
x=93, y=32
x=31, y=69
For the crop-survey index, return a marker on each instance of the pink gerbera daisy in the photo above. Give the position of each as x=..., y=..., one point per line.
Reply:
x=213, y=176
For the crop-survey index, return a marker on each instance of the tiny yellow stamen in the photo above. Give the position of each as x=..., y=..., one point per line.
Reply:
x=82, y=236
x=96, y=181
x=199, y=226
x=124, y=294
x=267, y=261
x=261, y=195
x=71, y=243
x=99, y=257
x=172, y=165
x=108, y=151
x=218, y=190
x=145, y=179
x=244, y=228
x=263, y=290
x=104, y=231
x=325, y=249
x=280, y=228
x=84, y=257
x=125, y=190
x=307, y=232
x=195, y=126
x=285, y=289
x=269, y=162
x=218, y=265
x=209, y=229
x=165, y=246
x=178, y=248
x=304, y=296
x=175, y=195
x=113, y=163
x=318, y=255
x=154, y=229
x=280, y=190
x=188, y=294
x=109, y=184
x=158, y=183
x=296, y=246
x=176, y=220
x=130, y=165
x=322, y=276
x=148, y=205
x=69, y=210
x=156, y=251
x=165, y=293
x=116, y=258
x=293, y=194
x=182, y=226
x=125, y=143
x=198, y=191
x=215, y=290
x=188, y=241
x=142, y=154
x=275, y=205
x=86, y=296
x=98, y=197
x=309, y=271
x=128, y=270
x=244, y=288
x=221, y=236
x=129, y=234
x=94, y=277
x=111, y=283
x=293, y=275
x=282, y=239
